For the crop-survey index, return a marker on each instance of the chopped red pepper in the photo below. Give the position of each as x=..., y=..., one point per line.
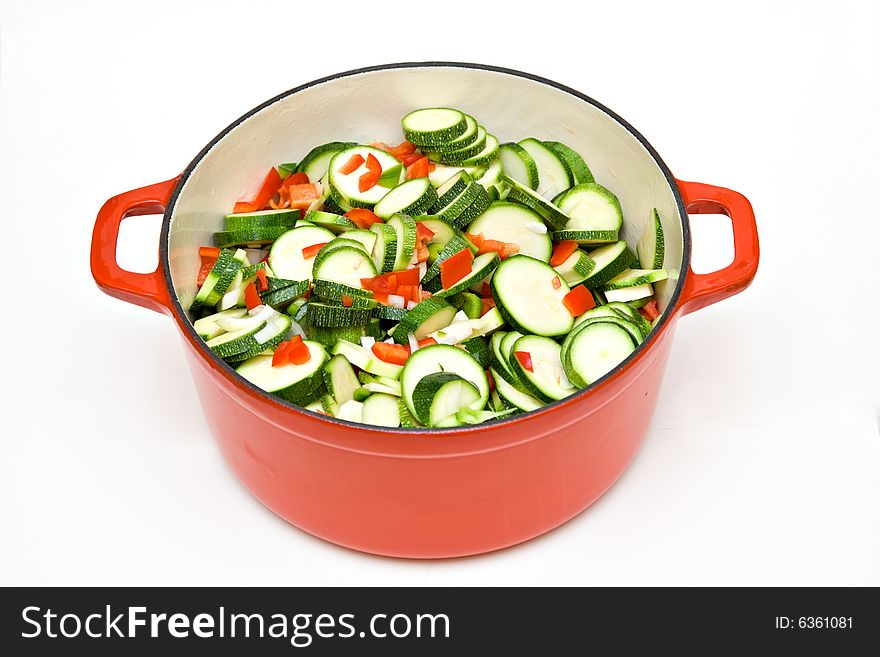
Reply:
x=427, y=342
x=424, y=294
x=409, y=292
x=298, y=353
x=279, y=357
x=455, y=267
x=347, y=301
x=209, y=255
x=402, y=149
x=486, y=303
x=562, y=252
x=408, y=160
x=391, y=353
x=418, y=169
x=649, y=311
x=311, y=251
x=556, y=283
x=381, y=297
x=270, y=186
x=354, y=163
x=525, y=359
x=302, y=195
x=579, y=300
x=244, y=206
x=485, y=290
x=491, y=380
x=369, y=179
x=252, y=297
x=503, y=249
x=476, y=240
x=408, y=276
x=422, y=253
x=209, y=252
x=262, y=283
x=389, y=283
x=300, y=178
x=363, y=218
x=423, y=232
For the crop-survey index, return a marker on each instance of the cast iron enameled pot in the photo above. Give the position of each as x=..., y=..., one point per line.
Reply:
x=425, y=493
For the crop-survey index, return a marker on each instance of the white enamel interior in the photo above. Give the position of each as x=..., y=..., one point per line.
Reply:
x=368, y=107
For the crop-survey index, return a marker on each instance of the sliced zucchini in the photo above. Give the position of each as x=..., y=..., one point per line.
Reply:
x=207, y=327
x=489, y=153
x=316, y=162
x=629, y=293
x=412, y=197
x=575, y=162
x=443, y=358
x=546, y=379
x=527, y=297
x=651, y=247
x=331, y=291
x=576, y=268
x=610, y=261
x=333, y=222
x=245, y=221
x=385, y=249
x=438, y=397
x=352, y=411
x=286, y=256
x=586, y=237
x=555, y=218
x=633, y=277
x=595, y=350
x=219, y=279
x=295, y=383
x=554, y=176
x=345, y=265
x=513, y=396
x=515, y=224
x=405, y=228
x=590, y=207
x=329, y=336
x=381, y=410
x=434, y=125
x=237, y=341
x=347, y=184
x=332, y=316
x=449, y=190
x=491, y=179
x=390, y=313
x=281, y=292
x=340, y=379
x=366, y=360
x=455, y=245
x=482, y=266
x=253, y=236
x=480, y=350
x=469, y=136
x=518, y=164
x=407, y=420
x=430, y=315
x=463, y=153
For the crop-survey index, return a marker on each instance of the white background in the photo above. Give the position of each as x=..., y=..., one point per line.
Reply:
x=762, y=465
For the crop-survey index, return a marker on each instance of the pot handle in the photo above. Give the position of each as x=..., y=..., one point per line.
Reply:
x=703, y=289
x=147, y=290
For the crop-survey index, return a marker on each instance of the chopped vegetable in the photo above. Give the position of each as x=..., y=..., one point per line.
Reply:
x=418, y=169
x=269, y=188
x=244, y=207
x=649, y=311
x=579, y=300
x=362, y=218
x=456, y=267
x=562, y=252
x=311, y=251
x=262, y=282
x=353, y=164
x=369, y=179
x=298, y=353
x=525, y=359
x=252, y=297
x=391, y=353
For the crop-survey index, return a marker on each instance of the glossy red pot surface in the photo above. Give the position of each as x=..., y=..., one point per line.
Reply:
x=425, y=493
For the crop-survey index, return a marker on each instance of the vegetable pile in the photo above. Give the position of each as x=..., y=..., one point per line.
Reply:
x=444, y=281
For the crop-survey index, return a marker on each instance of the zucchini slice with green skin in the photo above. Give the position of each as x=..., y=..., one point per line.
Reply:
x=207, y=327
x=474, y=210
x=286, y=255
x=221, y=277
x=634, y=331
x=529, y=294
x=586, y=237
x=438, y=397
x=334, y=203
x=407, y=420
x=504, y=367
x=491, y=179
x=628, y=311
x=331, y=316
x=381, y=410
x=479, y=350
x=390, y=313
x=286, y=168
x=340, y=379
x=331, y=291
x=443, y=233
x=255, y=235
x=468, y=303
x=345, y=265
x=554, y=176
x=385, y=249
x=366, y=237
x=244, y=221
x=627, y=294
x=365, y=359
x=595, y=350
x=329, y=220
x=430, y=315
x=489, y=153
x=463, y=153
x=295, y=383
x=280, y=291
x=651, y=247
x=546, y=380
x=329, y=405
x=482, y=266
x=253, y=339
x=346, y=184
x=405, y=229
x=590, y=207
x=412, y=197
x=316, y=162
x=329, y=336
x=449, y=190
x=576, y=268
x=513, y=396
x=555, y=218
x=450, y=212
x=573, y=159
x=432, y=126
x=468, y=137
x=518, y=164
x=610, y=261
x=443, y=358
x=633, y=277
x=443, y=173
x=515, y=224
x=499, y=359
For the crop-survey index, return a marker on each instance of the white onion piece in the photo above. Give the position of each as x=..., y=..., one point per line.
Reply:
x=296, y=329
x=367, y=342
x=410, y=305
x=413, y=343
x=535, y=227
x=423, y=269
x=460, y=316
x=396, y=300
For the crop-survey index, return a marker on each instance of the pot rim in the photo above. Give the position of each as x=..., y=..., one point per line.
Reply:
x=180, y=316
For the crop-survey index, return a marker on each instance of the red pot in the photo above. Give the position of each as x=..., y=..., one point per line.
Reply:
x=425, y=493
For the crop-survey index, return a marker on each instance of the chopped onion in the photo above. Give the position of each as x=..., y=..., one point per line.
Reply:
x=396, y=300
x=413, y=343
x=410, y=305
x=266, y=333
x=423, y=269
x=460, y=316
x=388, y=340
x=367, y=342
x=230, y=299
x=535, y=227
x=296, y=329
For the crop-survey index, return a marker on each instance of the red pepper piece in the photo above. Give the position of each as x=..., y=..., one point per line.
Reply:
x=354, y=163
x=279, y=357
x=363, y=218
x=298, y=353
x=244, y=206
x=486, y=303
x=302, y=195
x=491, y=380
x=300, y=178
x=423, y=233
x=649, y=311
x=525, y=359
x=562, y=251
x=391, y=353
x=369, y=179
x=418, y=169
x=347, y=301
x=269, y=188
x=456, y=267
x=262, y=283
x=311, y=251
x=476, y=240
x=427, y=342
x=252, y=297
x=556, y=283
x=579, y=300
